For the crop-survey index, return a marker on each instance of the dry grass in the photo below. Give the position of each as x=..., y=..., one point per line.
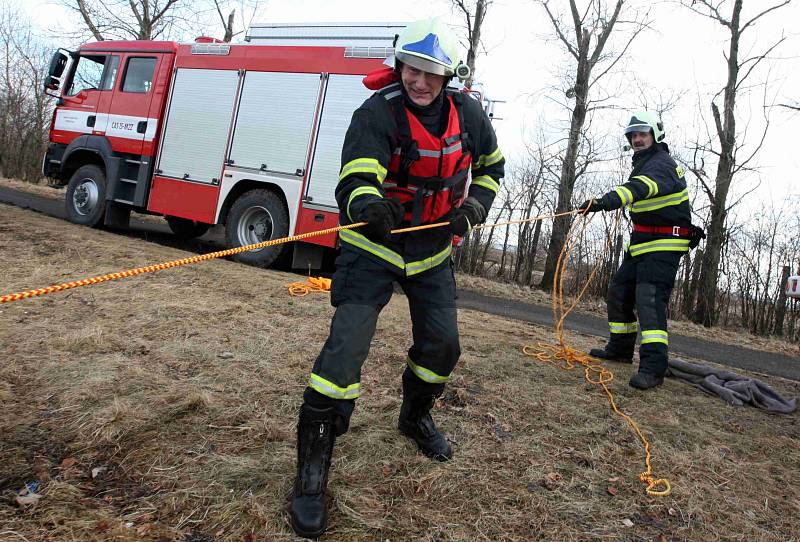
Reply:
x=733, y=335
x=40, y=188
x=496, y=288
x=179, y=392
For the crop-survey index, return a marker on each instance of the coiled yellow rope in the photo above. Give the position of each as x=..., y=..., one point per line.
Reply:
x=594, y=372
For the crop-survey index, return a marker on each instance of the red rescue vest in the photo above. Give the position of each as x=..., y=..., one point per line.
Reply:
x=428, y=174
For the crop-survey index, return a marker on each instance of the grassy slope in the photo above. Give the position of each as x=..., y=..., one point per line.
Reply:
x=136, y=377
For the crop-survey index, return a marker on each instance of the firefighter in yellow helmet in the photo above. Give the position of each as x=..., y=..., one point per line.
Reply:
x=406, y=160
x=658, y=202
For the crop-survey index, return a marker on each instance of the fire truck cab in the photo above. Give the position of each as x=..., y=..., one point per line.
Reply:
x=245, y=135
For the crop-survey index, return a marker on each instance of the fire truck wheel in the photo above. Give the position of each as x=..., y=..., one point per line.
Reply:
x=185, y=228
x=256, y=216
x=86, y=196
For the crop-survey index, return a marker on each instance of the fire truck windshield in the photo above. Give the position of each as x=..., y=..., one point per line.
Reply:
x=93, y=72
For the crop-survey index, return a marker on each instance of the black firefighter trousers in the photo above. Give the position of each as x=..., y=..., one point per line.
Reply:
x=360, y=289
x=641, y=287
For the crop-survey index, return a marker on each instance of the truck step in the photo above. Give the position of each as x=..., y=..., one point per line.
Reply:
x=131, y=181
x=131, y=161
x=119, y=200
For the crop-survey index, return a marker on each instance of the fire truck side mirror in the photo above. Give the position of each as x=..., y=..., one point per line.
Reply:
x=52, y=82
x=57, y=64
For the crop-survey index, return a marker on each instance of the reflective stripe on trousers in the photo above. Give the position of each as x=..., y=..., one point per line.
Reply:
x=361, y=288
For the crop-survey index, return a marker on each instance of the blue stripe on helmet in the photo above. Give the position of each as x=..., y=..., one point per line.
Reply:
x=429, y=46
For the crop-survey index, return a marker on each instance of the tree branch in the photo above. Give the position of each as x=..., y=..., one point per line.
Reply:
x=607, y=28
x=559, y=32
x=755, y=18
x=88, y=20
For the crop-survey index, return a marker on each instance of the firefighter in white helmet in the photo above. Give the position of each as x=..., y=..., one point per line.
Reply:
x=658, y=201
x=406, y=160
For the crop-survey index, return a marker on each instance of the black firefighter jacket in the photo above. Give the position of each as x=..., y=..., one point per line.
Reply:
x=656, y=194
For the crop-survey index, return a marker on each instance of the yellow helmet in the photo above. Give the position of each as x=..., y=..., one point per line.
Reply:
x=428, y=45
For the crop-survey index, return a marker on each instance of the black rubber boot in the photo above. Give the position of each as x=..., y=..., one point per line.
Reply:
x=645, y=381
x=315, y=438
x=602, y=353
x=416, y=423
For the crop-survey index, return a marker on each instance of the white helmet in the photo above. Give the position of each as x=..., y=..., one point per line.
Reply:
x=428, y=45
x=644, y=121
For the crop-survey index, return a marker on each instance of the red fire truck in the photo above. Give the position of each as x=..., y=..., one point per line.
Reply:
x=245, y=135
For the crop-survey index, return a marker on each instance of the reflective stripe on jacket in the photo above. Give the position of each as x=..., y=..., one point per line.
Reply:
x=372, y=169
x=656, y=195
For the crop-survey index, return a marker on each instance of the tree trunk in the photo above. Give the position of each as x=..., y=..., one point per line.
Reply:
x=705, y=311
x=475, y=39
x=780, y=313
x=537, y=230
x=567, y=180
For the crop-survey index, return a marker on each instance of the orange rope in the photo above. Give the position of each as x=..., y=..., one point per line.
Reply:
x=594, y=372
x=7, y=298
x=167, y=265
x=312, y=284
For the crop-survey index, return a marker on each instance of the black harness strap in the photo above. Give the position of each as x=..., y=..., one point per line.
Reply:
x=409, y=153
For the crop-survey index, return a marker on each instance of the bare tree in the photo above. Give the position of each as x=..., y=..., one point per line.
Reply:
x=729, y=162
x=231, y=27
x=127, y=19
x=160, y=19
x=24, y=109
x=474, y=13
x=584, y=36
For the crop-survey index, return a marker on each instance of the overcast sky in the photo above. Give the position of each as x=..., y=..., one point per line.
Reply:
x=682, y=57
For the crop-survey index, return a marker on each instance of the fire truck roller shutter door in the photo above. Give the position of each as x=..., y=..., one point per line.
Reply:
x=343, y=95
x=274, y=121
x=194, y=145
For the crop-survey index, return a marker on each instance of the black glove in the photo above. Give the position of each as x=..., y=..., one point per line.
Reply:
x=468, y=215
x=381, y=216
x=591, y=206
x=696, y=234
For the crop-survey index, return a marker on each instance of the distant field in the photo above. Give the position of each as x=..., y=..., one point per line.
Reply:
x=163, y=408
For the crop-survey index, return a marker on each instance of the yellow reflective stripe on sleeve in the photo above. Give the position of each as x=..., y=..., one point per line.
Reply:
x=360, y=191
x=624, y=194
x=660, y=245
x=488, y=159
x=426, y=375
x=358, y=240
x=414, y=268
x=329, y=389
x=486, y=182
x=659, y=203
x=652, y=187
x=623, y=327
x=655, y=336
x=364, y=165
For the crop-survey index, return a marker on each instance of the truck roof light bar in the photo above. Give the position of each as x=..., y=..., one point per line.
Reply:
x=211, y=49
x=368, y=52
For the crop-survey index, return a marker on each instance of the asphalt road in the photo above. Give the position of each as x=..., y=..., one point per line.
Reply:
x=733, y=356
